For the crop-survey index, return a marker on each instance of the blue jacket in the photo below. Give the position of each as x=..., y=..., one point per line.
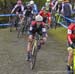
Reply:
x=67, y=9
x=35, y=9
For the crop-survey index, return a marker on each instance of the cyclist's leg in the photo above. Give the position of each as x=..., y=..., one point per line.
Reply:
x=29, y=47
x=42, y=40
x=70, y=58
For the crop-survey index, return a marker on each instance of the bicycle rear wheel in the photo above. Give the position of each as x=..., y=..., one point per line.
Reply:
x=34, y=54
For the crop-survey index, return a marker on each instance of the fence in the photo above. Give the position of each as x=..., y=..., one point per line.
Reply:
x=8, y=24
x=64, y=25
x=6, y=15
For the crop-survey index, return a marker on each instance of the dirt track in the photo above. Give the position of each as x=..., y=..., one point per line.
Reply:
x=50, y=60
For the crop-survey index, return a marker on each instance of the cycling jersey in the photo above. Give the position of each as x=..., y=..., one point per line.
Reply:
x=18, y=8
x=28, y=11
x=40, y=29
x=46, y=16
x=71, y=33
x=35, y=9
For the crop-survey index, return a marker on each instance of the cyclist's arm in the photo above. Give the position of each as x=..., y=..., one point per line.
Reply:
x=22, y=8
x=35, y=9
x=55, y=5
x=41, y=13
x=49, y=18
x=69, y=36
x=32, y=26
x=14, y=8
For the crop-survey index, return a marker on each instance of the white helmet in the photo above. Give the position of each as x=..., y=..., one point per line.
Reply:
x=31, y=2
x=39, y=18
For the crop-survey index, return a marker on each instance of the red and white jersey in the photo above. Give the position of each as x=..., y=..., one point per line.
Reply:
x=44, y=14
x=71, y=35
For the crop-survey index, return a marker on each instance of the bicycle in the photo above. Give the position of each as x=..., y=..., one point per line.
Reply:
x=27, y=24
x=73, y=63
x=13, y=22
x=72, y=67
x=34, y=51
x=20, y=28
x=21, y=25
x=58, y=19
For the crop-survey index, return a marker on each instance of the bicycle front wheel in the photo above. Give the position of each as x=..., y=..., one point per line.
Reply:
x=34, y=54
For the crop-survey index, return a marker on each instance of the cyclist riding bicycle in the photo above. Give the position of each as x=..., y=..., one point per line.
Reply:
x=28, y=10
x=46, y=16
x=36, y=26
x=18, y=9
x=57, y=6
x=71, y=44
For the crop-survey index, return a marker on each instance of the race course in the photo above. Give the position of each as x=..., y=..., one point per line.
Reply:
x=51, y=58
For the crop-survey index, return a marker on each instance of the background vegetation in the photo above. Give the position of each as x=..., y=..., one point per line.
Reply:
x=7, y=5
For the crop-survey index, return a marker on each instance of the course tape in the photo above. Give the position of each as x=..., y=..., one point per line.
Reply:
x=7, y=24
x=6, y=15
x=71, y=20
x=63, y=25
x=3, y=15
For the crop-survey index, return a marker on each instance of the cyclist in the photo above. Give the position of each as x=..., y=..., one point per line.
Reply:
x=18, y=9
x=36, y=26
x=71, y=44
x=47, y=5
x=28, y=12
x=46, y=16
x=34, y=7
x=58, y=6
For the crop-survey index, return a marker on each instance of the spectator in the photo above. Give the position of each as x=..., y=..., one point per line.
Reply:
x=67, y=10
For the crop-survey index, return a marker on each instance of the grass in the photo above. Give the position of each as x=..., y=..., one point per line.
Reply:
x=59, y=34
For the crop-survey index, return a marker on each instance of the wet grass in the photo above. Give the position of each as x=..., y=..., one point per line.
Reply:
x=59, y=34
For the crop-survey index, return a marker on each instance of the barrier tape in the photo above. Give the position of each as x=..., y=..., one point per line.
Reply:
x=63, y=25
x=3, y=15
x=7, y=24
x=71, y=20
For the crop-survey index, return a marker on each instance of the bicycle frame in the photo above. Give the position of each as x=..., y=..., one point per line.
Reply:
x=73, y=61
x=34, y=51
x=34, y=45
x=35, y=42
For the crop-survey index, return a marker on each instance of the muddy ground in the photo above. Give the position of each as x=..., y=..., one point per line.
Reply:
x=50, y=60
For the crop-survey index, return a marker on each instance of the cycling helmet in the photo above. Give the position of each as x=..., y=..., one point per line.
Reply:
x=39, y=18
x=31, y=2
